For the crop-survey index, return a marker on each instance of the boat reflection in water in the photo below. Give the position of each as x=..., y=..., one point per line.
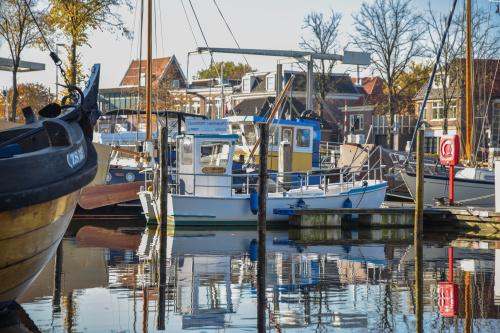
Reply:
x=152, y=280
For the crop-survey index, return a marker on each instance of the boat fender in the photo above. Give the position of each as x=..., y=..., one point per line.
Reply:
x=253, y=250
x=301, y=203
x=347, y=204
x=254, y=201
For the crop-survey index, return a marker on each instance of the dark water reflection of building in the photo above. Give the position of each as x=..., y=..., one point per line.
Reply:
x=315, y=281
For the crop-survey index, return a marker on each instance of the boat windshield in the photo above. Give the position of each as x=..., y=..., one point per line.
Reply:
x=214, y=153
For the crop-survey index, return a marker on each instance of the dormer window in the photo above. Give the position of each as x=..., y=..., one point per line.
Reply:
x=174, y=83
x=270, y=83
x=246, y=85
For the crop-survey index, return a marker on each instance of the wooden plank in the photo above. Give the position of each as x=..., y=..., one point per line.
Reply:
x=106, y=195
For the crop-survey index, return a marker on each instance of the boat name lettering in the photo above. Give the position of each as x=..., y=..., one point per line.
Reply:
x=75, y=157
x=213, y=170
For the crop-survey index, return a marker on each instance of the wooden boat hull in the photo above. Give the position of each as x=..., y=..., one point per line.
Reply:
x=30, y=236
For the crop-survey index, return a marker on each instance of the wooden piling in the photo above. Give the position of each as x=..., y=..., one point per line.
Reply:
x=285, y=164
x=261, y=245
x=418, y=234
x=162, y=278
x=163, y=176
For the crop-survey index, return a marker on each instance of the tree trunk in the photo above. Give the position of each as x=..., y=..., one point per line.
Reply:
x=15, y=93
x=390, y=139
x=73, y=64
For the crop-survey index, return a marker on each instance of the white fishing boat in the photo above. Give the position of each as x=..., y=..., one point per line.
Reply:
x=472, y=187
x=206, y=191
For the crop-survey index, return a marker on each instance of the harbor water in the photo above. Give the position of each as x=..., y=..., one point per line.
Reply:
x=124, y=277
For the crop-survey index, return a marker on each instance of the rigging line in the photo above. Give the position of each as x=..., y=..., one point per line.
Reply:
x=230, y=31
x=192, y=32
x=211, y=56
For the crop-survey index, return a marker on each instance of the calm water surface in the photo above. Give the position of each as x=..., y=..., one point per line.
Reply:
x=316, y=281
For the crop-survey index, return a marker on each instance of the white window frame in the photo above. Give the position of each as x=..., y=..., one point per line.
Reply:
x=196, y=106
x=271, y=82
x=175, y=83
x=437, y=105
x=352, y=121
x=246, y=85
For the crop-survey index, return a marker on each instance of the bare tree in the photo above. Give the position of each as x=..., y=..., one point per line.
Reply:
x=390, y=31
x=323, y=39
x=19, y=31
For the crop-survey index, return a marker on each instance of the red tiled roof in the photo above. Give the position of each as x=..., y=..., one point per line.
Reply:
x=372, y=85
x=131, y=78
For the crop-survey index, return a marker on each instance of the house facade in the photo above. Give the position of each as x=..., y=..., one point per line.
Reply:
x=449, y=114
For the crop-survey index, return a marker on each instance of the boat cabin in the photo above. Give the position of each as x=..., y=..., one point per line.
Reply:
x=303, y=135
x=204, y=164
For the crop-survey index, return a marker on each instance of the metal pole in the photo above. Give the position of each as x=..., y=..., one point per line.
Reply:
x=418, y=234
x=345, y=122
x=57, y=74
x=468, y=85
x=261, y=246
x=451, y=185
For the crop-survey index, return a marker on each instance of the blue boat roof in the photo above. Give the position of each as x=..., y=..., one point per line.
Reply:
x=263, y=120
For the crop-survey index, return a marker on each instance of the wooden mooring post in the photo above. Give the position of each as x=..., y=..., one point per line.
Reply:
x=418, y=234
x=163, y=176
x=261, y=245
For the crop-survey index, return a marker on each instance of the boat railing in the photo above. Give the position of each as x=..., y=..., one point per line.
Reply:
x=290, y=183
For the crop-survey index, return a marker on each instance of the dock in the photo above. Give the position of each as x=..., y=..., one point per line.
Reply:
x=394, y=217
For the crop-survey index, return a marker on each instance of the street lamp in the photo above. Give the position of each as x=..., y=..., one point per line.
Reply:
x=57, y=74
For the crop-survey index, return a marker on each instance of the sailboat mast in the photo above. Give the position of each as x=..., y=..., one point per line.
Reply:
x=468, y=85
x=148, y=73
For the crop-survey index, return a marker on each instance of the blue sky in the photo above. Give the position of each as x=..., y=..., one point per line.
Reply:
x=258, y=24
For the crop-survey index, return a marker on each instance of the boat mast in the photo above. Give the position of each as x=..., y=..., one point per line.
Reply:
x=149, y=74
x=468, y=85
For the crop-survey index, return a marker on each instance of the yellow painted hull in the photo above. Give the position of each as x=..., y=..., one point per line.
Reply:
x=29, y=238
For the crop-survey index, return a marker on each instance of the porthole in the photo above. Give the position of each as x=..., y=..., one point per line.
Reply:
x=108, y=177
x=130, y=177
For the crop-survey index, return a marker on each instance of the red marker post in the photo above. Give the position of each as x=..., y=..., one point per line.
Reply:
x=449, y=154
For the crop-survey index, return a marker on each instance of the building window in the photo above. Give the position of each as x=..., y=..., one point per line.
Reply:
x=495, y=127
x=208, y=108
x=356, y=121
x=195, y=106
x=270, y=83
x=246, y=85
x=419, y=108
x=452, y=110
x=430, y=145
x=174, y=83
x=218, y=109
x=437, y=110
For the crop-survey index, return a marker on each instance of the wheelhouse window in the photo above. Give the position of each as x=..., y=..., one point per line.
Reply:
x=187, y=151
x=250, y=134
x=303, y=138
x=214, y=153
x=287, y=135
x=274, y=136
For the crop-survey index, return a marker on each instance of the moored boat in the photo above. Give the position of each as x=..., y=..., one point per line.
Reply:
x=206, y=191
x=45, y=164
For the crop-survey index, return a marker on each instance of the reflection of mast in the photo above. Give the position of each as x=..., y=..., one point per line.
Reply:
x=467, y=302
x=162, y=279
x=56, y=296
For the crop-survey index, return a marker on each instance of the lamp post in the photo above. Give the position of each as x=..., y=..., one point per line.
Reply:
x=57, y=74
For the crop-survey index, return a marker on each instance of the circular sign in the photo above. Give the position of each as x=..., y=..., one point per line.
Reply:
x=447, y=149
